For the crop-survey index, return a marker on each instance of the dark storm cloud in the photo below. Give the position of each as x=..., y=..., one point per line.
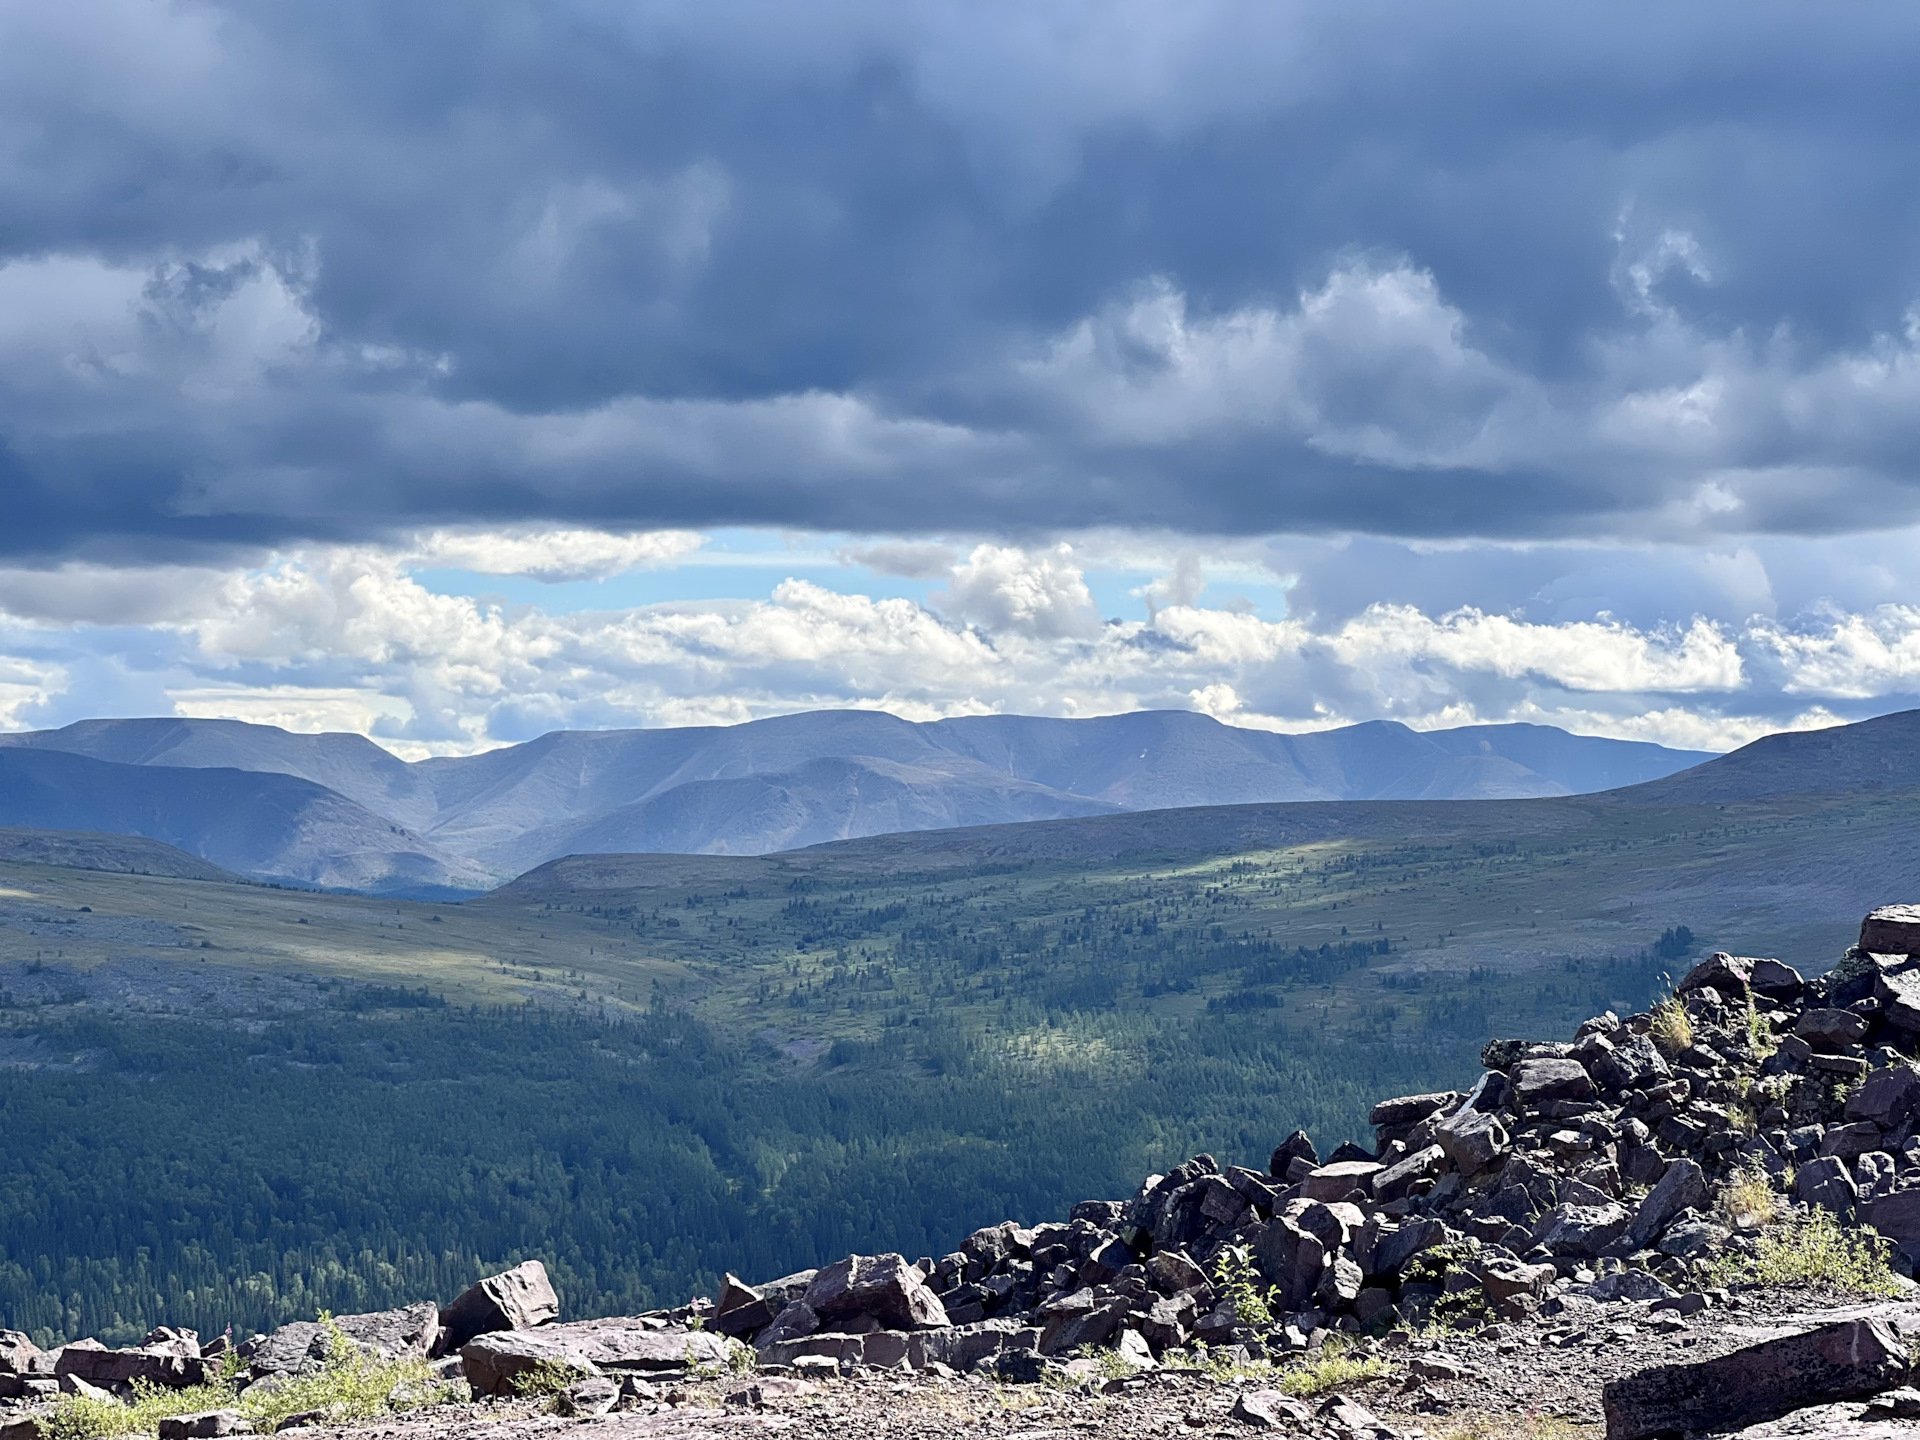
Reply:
x=329, y=269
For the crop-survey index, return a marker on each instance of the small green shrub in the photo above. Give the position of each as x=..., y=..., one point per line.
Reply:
x=1236, y=1281
x=547, y=1378
x=1814, y=1250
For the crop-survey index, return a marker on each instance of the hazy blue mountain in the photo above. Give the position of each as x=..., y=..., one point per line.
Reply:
x=772, y=784
x=275, y=827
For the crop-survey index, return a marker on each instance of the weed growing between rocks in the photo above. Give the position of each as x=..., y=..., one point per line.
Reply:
x=1813, y=1250
x=1748, y=1200
x=350, y=1385
x=1236, y=1281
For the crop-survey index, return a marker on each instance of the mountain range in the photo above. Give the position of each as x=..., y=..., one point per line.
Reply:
x=338, y=811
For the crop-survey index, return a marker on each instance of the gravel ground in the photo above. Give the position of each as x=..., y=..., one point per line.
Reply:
x=1550, y=1370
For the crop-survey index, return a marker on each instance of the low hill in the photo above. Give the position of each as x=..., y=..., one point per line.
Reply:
x=119, y=854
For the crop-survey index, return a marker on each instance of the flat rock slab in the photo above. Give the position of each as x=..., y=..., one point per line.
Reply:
x=1846, y=1360
x=592, y=1347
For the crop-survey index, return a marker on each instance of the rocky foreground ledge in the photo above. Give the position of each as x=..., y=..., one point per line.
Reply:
x=1594, y=1233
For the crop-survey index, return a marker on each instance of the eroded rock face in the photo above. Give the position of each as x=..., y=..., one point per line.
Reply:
x=515, y=1299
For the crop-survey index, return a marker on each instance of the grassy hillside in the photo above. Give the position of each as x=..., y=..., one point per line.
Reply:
x=646, y=1068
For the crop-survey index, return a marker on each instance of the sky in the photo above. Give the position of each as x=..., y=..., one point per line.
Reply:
x=454, y=373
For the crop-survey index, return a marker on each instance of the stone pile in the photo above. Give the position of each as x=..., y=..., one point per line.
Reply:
x=1589, y=1172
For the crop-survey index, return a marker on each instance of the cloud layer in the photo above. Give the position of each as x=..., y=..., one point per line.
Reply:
x=339, y=270
x=1514, y=361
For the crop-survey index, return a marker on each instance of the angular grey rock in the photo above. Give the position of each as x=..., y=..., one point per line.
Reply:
x=1580, y=1230
x=1897, y=1216
x=791, y=1323
x=1728, y=975
x=1505, y=1280
x=301, y=1348
x=94, y=1364
x=206, y=1423
x=741, y=1309
x=880, y=1287
x=515, y=1299
x=1899, y=997
x=1683, y=1187
x=1537, y=1082
x=1891, y=930
x=1399, y=1178
x=968, y=1347
x=1828, y=1031
x=620, y=1346
x=1473, y=1140
x=1173, y=1273
x=1777, y=981
x=1841, y=1361
x=1340, y=1179
x=1826, y=1182
x=1409, y=1109
x=1888, y=1096
x=595, y=1395
x=1270, y=1410
x=20, y=1356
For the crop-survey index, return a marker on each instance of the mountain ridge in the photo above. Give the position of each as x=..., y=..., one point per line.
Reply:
x=786, y=782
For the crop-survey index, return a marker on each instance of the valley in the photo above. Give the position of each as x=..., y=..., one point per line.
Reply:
x=770, y=1058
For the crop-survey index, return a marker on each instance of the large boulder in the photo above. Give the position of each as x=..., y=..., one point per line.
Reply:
x=1536, y=1082
x=173, y=1365
x=588, y=1347
x=1841, y=1361
x=1683, y=1187
x=1339, y=1179
x=1897, y=1216
x=301, y=1347
x=516, y=1299
x=1581, y=1230
x=1888, y=1097
x=1472, y=1140
x=1891, y=930
x=884, y=1288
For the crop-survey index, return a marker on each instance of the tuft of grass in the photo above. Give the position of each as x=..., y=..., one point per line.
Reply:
x=1814, y=1249
x=351, y=1385
x=1748, y=1199
x=1334, y=1367
x=1672, y=1027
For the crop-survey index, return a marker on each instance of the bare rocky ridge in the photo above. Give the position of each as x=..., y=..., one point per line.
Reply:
x=1571, y=1205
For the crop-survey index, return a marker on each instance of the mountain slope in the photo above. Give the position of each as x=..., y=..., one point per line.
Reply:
x=1878, y=755
x=269, y=826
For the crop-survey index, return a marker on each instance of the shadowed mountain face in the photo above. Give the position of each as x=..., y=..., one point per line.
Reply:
x=338, y=810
